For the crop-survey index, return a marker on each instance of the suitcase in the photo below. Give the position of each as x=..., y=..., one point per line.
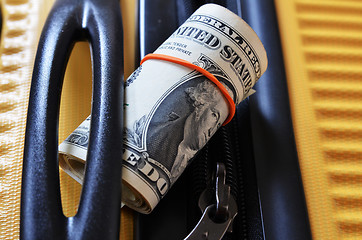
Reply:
x=279, y=163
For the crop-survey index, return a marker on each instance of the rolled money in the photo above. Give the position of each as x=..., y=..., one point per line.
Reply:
x=171, y=111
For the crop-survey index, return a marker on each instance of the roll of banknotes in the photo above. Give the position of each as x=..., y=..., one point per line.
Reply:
x=170, y=110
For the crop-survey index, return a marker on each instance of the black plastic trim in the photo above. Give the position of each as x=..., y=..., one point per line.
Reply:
x=279, y=179
x=98, y=217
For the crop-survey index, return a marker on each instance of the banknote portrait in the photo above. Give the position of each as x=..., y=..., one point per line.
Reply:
x=184, y=122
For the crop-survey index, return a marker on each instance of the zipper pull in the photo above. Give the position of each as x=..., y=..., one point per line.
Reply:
x=219, y=210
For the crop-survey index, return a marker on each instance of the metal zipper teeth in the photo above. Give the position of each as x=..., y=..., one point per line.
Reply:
x=241, y=198
x=223, y=147
x=229, y=159
x=198, y=181
x=200, y=172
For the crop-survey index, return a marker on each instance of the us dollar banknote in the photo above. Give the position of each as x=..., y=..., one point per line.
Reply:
x=171, y=111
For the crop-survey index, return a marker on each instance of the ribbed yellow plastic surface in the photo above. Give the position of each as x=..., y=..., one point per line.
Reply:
x=322, y=44
x=18, y=44
x=22, y=24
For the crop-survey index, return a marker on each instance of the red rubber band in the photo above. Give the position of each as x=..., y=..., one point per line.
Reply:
x=212, y=78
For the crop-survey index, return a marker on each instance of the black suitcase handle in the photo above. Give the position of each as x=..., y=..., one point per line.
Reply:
x=98, y=217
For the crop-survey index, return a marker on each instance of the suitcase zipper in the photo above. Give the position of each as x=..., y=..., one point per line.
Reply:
x=219, y=209
x=222, y=150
